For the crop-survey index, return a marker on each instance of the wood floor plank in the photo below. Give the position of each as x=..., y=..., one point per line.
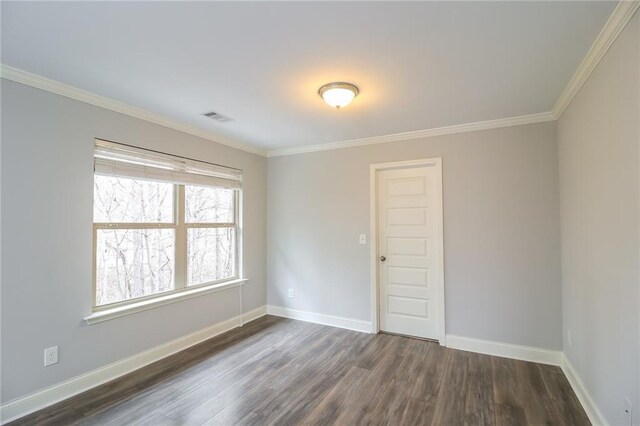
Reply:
x=185, y=368
x=304, y=402
x=391, y=404
x=134, y=409
x=509, y=408
x=316, y=376
x=412, y=363
x=284, y=372
x=381, y=377
x=155, y=419
x=538, y=406
x=426, y=386
x=337, y=400
x=308, y=354
x=221, y=395
x=417, y=412
x=374, y=351
x=479, y=406
x=228, y=355
x=327, y=375
x=216, y=395
x=450, y=408
x=270, y=398
x=210, y=385
x=564, y=400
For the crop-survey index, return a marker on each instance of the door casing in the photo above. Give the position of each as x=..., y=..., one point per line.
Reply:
x=373, y=231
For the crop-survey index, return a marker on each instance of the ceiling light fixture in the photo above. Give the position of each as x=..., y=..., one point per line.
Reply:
x=338, y=94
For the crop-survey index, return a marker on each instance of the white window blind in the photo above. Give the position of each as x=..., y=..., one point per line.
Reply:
x=114, y=159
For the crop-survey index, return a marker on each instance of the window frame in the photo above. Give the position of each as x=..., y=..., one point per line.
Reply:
x=180, y=248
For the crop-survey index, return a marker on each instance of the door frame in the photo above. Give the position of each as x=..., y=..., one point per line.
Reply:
x=373, y=231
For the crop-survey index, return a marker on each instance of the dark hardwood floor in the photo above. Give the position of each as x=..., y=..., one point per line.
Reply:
x=285, y=372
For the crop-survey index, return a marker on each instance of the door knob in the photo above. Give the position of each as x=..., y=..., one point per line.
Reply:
x=382, y=258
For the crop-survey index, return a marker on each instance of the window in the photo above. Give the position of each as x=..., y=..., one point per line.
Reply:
x=211, y=234
x=162, y=224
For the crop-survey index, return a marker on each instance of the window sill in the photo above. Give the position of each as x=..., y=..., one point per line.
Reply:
x=121, y=311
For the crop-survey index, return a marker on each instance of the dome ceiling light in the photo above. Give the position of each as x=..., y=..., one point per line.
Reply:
x=338, y=94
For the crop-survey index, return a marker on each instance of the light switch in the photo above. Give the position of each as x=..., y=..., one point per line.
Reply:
x=363, y=238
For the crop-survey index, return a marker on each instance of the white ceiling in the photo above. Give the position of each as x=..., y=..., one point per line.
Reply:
x=418, y=65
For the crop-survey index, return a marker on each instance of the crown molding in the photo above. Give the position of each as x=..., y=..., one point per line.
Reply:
x=39, y=82
x=610, y=31
x=619, y=18
x=621, y=15
x=419, y=134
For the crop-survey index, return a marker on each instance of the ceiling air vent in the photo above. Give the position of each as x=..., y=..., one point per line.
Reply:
x=218, y=117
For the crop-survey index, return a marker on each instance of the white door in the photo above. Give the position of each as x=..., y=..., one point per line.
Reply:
x=410, y=250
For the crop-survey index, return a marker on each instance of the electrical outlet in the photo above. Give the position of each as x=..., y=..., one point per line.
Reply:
x=291, y=293
x=363, y=239
x=569, y=338
x=50, y=356
x=628, y=410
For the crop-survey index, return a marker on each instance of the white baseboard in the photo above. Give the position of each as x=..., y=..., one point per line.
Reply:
x=348, y=323
x=506, y=350
x=589, y=405
x=525, y=353
x=51, y=395
x=41, y=399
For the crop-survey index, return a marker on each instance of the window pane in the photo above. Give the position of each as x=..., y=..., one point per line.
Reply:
x=133, y=263
x=131, y=201
x=209, y=205
x=210, y=254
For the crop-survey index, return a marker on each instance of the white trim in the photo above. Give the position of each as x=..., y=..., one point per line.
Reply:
x=341, y=322
x=373, y=248
x=43, y=83
x=610, y=31
x=612, y=28
x=506, y=350
x=418, y=134
x=132, y=308
x=373, y=232
x=43, y=398
x=589, y=405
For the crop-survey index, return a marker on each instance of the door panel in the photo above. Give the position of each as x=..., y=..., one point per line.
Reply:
x=410, y=239
x=410, y=306
x=418, y=277
x=407, y=216
x=407, y=246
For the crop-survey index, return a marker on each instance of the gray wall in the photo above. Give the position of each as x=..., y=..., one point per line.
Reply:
x=501, y=231
x=599, y=138
x=47, y=193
